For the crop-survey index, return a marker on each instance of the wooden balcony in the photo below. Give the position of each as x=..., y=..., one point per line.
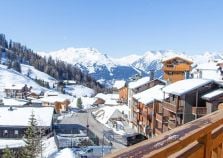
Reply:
x=172, y=107
x=158, y=131
x=197, y=139
x=161, y=118
x=172, y=124
x=199, y=110
x=180, y=67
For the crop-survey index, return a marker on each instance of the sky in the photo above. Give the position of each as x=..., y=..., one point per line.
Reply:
x=115, y=27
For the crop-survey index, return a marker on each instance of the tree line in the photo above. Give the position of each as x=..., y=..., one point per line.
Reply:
x=14, y=53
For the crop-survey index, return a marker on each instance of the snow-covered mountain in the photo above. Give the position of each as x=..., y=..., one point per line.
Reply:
x=106, y=69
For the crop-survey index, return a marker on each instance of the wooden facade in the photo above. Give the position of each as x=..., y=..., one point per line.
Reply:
x=180, y=109
x=201, y=138
x=123, y=94
x=176, y=68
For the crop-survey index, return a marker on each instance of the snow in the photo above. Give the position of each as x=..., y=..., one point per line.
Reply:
x=149, y=95
x=119, y=84
x=14, y=86
x=11, y=143
x=14, y=102
x=127, y=60
x=82, y=56
x=53, y=99
x=86, y=102
x=184, y=86
x=110, y=99
x=184, y=57
x=65, y=153
x=11, y=77
x=139, y=82
x=22, y=115
x=105, y=113
x=36, y=74
x=212, y=94
x=49, y=147
x=208, y=66
x=79, y=91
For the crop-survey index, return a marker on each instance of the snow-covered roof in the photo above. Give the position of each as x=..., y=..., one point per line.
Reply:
x=139, y=82
x=149, y=95
x=14, y=102
x=105, y=113
x=107, y=96
x=184, y=86
x=11, y=143
x=58, y=98
x=51, y=93
x=14, y=86
x=86, y=102
x=65, y=153
x=212, y=94
x=208, y=66
x=177, y=56
x=21, y=116
x=119, y=84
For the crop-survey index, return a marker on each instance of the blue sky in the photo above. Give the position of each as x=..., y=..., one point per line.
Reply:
x=115, y=27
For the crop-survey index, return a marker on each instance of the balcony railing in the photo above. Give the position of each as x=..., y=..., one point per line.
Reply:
x=172, y=124
x=199, y=110
x=161, y=118
x=199, y=138
x=135, y=109
x=172, y=107
x=180, y=67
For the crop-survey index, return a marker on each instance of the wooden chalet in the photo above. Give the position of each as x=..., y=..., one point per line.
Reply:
x=121, y=88
x=185, y=103
x=176, y=68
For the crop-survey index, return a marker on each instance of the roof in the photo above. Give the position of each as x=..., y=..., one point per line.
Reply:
x=14, y=102
x=21, y=116
x=181, y=87
x=59, y=98
x=119, y=84
x=177, y=56
x=11, y=143
x=107, y=96
x=149, y=95
x=139, y=82
x=212, y=94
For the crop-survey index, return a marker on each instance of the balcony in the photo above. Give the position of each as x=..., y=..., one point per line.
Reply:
x=199, y=138
x=158, y=131
x=180, y=67
x=172, y=124
x=172, y=107
x=199, y=110
x=161, y=118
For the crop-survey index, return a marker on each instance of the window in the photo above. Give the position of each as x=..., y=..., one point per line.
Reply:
x=5, y=133
x=16, y=132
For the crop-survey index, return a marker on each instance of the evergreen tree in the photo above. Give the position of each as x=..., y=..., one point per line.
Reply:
x=7, y=153
x=79, y=103
x=32, y=139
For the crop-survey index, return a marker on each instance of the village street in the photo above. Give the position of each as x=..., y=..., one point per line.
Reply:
x=96, y=127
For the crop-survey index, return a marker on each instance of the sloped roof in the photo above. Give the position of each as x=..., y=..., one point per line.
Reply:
x=149, y=95
x=139, y=82
x=212, y=94
x=181, y=87
x=119, y=84
x=177, y=56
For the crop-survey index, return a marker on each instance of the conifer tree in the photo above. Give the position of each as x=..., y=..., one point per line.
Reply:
x=7, y=153
x=32, y=139
x=79, y=103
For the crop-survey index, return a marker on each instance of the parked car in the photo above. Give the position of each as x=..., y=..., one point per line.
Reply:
x=134, y=139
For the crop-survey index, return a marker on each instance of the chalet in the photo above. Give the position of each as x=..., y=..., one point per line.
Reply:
x=15, y=121
x=122, y=90
x=13, y=90
x=176, y=68
x=106, y=99
x=139, y=86
x=184, y=103
x=145, y=102
x=60, y=102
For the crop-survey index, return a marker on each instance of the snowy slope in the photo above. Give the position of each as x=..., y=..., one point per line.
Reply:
x=9, y=77
x=79, y=91
x=33, y=73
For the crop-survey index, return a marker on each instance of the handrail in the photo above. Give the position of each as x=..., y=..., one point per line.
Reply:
x=199, y=138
